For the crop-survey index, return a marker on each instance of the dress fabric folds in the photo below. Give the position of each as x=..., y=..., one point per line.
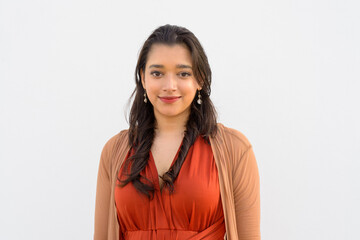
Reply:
x=193, y=211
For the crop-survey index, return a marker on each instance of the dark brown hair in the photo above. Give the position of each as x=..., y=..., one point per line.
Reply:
x=202, y=119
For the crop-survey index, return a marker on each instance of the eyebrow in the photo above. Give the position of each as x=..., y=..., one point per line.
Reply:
x=177, y=66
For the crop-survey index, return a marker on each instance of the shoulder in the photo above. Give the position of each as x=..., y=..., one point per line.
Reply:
x=232, y=138
x=233, y=150
x=120, y=136
x=112, y=153
x=230, y=145
x=116, y=142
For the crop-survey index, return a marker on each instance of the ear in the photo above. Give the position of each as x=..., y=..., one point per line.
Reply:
x=200, y=85
x=142, y=78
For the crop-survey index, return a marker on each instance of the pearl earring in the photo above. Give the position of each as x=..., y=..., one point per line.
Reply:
x=199, y=101
x=145, y=99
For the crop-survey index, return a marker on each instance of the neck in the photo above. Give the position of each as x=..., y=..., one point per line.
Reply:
x=173, y=126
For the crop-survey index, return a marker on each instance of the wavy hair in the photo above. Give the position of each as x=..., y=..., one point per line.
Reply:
x=201, y=121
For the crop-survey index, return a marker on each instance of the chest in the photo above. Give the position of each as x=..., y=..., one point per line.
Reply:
x=164, y=153
x=194, y=204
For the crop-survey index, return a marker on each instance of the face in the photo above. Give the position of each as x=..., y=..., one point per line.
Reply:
x=169, y=80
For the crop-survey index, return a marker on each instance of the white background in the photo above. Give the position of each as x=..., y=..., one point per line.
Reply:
x=285, y=73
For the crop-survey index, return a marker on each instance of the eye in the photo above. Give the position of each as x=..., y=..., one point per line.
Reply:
x=185, y=74
x=156, y=73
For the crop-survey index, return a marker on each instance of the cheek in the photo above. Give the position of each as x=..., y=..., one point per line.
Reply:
x=152, y=88
x=190, y=88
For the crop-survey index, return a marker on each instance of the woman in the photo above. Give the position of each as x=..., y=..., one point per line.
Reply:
x=176, y=173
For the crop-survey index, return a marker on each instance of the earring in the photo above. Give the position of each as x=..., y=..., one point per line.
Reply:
x=199, y=101
x=145, y=99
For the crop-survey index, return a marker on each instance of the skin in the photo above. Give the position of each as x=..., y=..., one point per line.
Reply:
x=168, y=74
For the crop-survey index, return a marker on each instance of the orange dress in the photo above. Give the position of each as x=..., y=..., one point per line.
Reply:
x=193, y=211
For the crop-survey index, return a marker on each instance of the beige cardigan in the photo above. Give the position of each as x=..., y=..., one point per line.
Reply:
x=238, y=178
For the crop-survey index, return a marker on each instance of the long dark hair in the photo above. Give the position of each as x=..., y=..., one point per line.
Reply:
x=202, y=118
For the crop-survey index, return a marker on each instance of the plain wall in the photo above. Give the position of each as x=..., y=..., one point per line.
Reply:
x=285, y=73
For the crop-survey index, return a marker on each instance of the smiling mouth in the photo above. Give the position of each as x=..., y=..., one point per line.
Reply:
x=169, y=99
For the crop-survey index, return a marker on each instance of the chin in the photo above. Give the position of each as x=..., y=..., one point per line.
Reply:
x=171, y=113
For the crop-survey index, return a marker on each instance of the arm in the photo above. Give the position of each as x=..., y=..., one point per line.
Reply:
x=103, y=192
x=246, y=184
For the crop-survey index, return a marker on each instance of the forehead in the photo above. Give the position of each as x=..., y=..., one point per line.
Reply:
x=169, y=55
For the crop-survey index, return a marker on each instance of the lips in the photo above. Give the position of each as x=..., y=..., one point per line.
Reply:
x=169, y=99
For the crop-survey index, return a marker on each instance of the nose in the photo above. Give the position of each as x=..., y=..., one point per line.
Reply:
x=170, y=83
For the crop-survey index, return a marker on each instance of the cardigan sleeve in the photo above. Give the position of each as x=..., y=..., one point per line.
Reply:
x=246, y=185
x=103, y=193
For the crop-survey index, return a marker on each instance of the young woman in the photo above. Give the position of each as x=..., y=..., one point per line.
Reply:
x=176, y=173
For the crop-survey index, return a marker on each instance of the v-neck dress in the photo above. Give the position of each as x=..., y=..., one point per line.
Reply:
x=193, y=211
